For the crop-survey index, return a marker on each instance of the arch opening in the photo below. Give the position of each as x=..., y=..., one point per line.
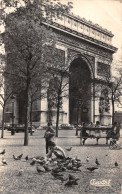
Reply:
x=79, y=92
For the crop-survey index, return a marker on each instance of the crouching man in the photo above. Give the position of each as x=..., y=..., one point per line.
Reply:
x=57, y=151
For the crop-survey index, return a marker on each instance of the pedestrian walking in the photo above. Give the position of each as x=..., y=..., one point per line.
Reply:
x=83, y=133
x=97, y=132
x=49, y=136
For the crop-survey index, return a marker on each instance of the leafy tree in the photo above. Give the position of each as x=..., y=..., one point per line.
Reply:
x=24, y=61
x=25, y=39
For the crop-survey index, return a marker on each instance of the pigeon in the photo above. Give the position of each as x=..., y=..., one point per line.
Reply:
x=26, y=158
x=41, y=158
x=69, y=166
x=55, y=162
x=72, y=177
x=40, y=169
x=67, y=163
x=34, y=159
x=20, y=156
x=96, y=161
x=61, y=178
x=57, y=170
x=87, y=159
x=4, y=161
x=41, y=162
x=20, y=172
x=74, y=162
x=16, y=158
x=78, y=165
x=60, y=168
x=63, y=168
x=77, y=159
x=68, y=158
x=33, y=162
x=75, y=169
x=47, y=169
x=37, y=157
x=71, y=182
x=69, y=149
x=91, y=169
x=56, y=174
x=59, y=163
x=116, y=164
x=3, y=152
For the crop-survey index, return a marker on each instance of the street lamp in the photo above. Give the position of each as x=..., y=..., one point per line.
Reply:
x=12, y=100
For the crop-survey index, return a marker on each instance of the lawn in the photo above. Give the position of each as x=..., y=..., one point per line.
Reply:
x=44, y=183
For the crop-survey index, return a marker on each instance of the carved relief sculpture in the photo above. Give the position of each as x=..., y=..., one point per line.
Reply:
x=104, y=104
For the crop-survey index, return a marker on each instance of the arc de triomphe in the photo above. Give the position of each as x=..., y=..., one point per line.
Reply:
x=87, y=47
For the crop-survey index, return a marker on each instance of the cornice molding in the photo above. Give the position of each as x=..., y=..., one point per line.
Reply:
x=75, y=43
x=90, y=24
x=80, y=36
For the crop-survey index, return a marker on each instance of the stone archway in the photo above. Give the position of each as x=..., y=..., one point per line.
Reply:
x=79, y=91
x=21, y=107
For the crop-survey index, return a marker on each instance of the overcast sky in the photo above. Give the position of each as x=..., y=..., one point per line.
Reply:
x=106, y=13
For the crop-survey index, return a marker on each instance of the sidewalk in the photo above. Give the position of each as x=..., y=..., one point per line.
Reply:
x=33, y=183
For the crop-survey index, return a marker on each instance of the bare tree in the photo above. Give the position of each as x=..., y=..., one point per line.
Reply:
x=58, y=85
x=111, y=90
x=5, y=94
x=58, y=90
x=114, y=86
x=37, y=92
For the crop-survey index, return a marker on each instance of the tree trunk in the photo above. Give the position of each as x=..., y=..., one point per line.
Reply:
x=31, y=133
x=3, y=116
x=27, y=113
x=26, y=124
x=112, y=111
x=49, y=116
x=13, y=128
x=57, y=119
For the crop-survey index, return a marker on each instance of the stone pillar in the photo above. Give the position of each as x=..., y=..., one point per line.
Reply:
x=65, y=105
x=44, y=109
x=92, y=103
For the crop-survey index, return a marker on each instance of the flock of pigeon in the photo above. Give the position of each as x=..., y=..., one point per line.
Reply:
x=57, y=166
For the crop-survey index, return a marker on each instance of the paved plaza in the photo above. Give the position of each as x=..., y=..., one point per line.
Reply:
x=30, y=182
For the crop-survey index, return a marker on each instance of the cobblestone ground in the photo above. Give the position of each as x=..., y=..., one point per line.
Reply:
x=33, y=183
